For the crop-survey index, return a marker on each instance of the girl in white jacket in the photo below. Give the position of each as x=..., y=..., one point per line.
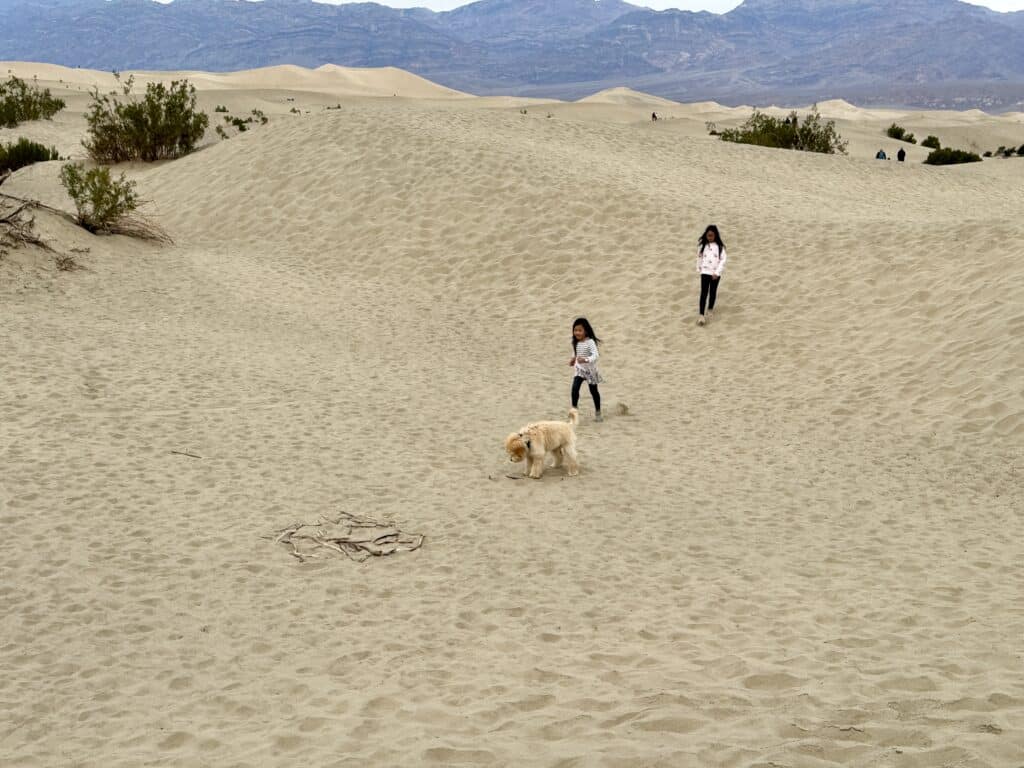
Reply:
x=711, y=258
x=584, y=363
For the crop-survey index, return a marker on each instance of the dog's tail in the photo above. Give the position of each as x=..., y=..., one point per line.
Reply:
x=574, y=416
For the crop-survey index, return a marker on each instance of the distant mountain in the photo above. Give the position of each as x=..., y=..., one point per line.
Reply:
x=930, y=52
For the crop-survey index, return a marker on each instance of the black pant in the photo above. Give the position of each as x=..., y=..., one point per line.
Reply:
x=708, y=291
x=577, y=382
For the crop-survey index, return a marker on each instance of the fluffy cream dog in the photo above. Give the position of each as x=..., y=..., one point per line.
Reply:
x=535, y=441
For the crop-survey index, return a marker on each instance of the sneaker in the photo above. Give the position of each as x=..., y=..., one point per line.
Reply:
x=598, y=416
x=701, y=320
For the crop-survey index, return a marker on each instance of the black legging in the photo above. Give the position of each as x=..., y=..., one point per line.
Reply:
x=577, y=382
x=708, y=291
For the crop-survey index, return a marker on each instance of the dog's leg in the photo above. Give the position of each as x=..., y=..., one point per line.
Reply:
x=573, y=460
x=558, y=457
x=538, y=467
x=528, y=472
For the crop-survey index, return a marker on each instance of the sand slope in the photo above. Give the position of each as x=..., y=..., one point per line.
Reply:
x=799, y=548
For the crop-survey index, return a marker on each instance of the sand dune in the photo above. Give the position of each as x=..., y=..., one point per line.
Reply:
x=798, y=548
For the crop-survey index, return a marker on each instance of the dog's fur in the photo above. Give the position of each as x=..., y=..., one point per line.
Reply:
x=535, y=441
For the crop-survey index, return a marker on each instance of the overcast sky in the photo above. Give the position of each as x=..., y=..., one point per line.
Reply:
x=715, y=6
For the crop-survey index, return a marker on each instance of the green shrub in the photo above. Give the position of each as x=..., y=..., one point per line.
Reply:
x=20, y=103
x=900, y=134
x=949, y=156
x=788, y=133
x=932, y=142
x=102, y=202
x=24, y=152
x=1020, y=150
x=163, y=124
x=220, y=108
x=1008, y=151
x=988, y=153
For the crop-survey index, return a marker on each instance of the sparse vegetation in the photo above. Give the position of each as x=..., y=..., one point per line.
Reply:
x=101, y=201
x=21, y=103
x=66, y=262
x=243, y=125
x=24, y=152
x=949, y=156
x=163, y=124
x=295, y=111
x=1020, y=150
x=220, y=108
x=900, y=134
x=988, y=153
x=932, y=142
x=812, y=135
x=712, y=128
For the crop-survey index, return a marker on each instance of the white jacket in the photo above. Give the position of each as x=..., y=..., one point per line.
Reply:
x=711, y=259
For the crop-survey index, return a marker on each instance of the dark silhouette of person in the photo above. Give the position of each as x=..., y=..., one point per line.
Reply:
x=901, y=155
x=654, y=116
x=880, y=155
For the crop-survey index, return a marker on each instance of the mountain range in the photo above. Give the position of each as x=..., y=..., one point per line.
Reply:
x=939, y=53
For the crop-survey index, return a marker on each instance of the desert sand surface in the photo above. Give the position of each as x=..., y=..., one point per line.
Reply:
x=801, y=546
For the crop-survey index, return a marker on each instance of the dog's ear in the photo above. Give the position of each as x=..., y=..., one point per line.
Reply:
x=514, y=447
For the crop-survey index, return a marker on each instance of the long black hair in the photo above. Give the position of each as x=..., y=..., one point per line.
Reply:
x=704, y=238
x=586, y=329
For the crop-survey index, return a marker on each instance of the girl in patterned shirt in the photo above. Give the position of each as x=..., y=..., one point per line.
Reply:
x=711, y=258
x=584, y=363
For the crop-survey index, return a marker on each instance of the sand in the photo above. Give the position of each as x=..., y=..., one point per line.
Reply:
x=801, y=547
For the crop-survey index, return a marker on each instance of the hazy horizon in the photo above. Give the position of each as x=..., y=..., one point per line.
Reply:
x=714, y=6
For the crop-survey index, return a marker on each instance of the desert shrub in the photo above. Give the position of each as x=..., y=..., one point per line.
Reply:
x=900, y=134
x=295, y=111
x=258, y=115
x=788, y=133
x=102, y=202
x=932, y=142
x=20, y=103
x=1020, y=150
x=163, y=124
x=220, y=108
x=24, y=152
x=221, y=132
x=949, y=156
x=1009, y=152
x=988, y=153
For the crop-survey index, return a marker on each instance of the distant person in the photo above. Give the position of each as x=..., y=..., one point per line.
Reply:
x=880, y=155
x=901, y=155
x=654, y=117
x=711, y=258
x=584, y=363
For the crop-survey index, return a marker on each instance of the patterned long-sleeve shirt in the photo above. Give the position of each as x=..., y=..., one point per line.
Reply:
x=586, y=361
x=711, y=259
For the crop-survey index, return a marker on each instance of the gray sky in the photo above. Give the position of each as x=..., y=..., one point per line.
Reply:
x=715, y=6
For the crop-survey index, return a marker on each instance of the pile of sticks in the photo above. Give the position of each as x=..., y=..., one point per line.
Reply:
x=357, y=538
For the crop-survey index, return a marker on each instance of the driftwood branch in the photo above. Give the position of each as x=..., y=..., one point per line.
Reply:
x=17, y=227
x=133, y=225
